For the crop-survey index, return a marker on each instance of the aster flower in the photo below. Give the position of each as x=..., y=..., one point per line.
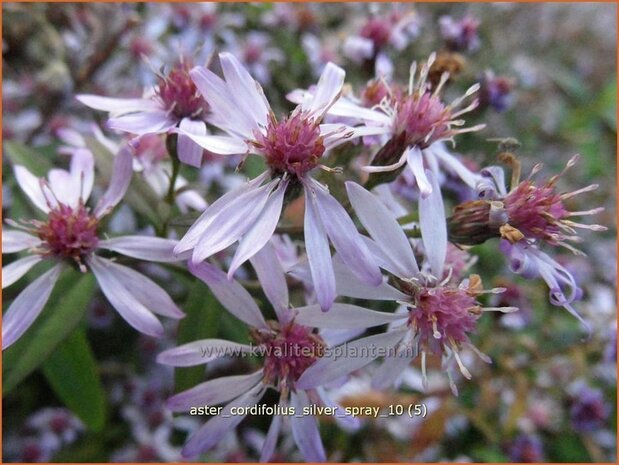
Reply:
x=588, y=410
x=526, y=217
x=174, y=102
x=292, y=148
x=256, y=53
x=69, y=236
x=288, y=347
x=460, y=35
x=435, y=317
x=414, y=123
x=396, y=29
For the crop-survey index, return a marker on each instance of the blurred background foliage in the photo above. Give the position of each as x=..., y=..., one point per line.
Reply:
x=561, y=59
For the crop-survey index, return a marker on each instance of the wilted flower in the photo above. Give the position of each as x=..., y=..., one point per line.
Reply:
x=70, y=237
x=525, y=217
x=292, y=147
x=288, y=346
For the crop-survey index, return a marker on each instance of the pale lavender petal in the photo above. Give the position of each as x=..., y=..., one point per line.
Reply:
x=347, y=422
x=348, y=109
x=261, y=231
x=213, y=392
x=16, y=241
x=414, y=159
x=328, y=89
x=389, y=371
x=343, y=316
x=188, y=151
x=246, y=91
x=27, y=306
x=270, y=442
x=61, y=184
x=146, y=291
x=358, y=48
x=122, y=299
x=230, y=293
x=118, y=105
x=223, y=203
x=433, y=227
x=222, y=145
x=347, y=284
x=154, y=122
x=231, y=224
x=190, y=199
x=455, y=165
x=224, y=110
x=119, y=182
x=15, y=270
x=338, y=134
x=201, y=352
x=318, y=253
x=82, y=174
x=31, y=186
x=366, y=350
x=273, y=281
x=382, y=225
x=305, y=430
x=71, y=137
x=215, y=429
x=344, y=236
x=154, y=249
x=335, y=337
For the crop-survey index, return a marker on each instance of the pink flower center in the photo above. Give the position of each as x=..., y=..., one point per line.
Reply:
x=180, y=95
x=69, y=233
x=535, y=211
x=443, y=315
x=378, y=30
x=423, y=119
x=293, y=145
x=288, y=352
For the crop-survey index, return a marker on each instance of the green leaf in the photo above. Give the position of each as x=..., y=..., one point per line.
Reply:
x=73, y=375
x=203, y=314
x=254, y=166
x=36, y=161
x=60, y=316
